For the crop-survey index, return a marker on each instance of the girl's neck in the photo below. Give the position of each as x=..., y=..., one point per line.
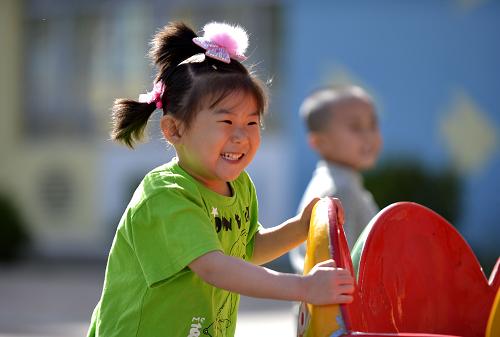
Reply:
x=225, y=190
x=222, y=188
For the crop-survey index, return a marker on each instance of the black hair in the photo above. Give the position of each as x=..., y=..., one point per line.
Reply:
x=316, y=107
x=192, y=81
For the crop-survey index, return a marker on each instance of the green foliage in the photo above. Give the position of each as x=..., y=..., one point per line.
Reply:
x=406, y=180
x=13, y=234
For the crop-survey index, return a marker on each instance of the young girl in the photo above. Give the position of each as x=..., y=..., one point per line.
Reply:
x=189, y=241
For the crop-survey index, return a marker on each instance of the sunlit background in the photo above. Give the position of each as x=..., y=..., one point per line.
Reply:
x=433, y=68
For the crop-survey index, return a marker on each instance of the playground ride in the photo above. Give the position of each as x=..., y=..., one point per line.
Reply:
x=416, y=277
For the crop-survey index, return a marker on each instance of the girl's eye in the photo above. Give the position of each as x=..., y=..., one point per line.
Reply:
x=227, y=121
x=253, y=123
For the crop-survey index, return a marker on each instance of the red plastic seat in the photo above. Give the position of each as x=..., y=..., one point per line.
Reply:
x=417, y=277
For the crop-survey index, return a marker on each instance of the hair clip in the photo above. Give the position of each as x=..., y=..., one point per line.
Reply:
x=154, y=95
x=223, y=42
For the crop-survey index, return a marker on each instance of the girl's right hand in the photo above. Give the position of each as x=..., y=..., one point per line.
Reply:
x=326, y=284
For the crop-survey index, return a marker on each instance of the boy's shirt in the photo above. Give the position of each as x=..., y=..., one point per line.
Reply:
x=171, y=220
x=330, y=179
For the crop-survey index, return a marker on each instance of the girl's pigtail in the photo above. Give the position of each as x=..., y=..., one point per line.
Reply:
x=170, y=46
x=129, y=120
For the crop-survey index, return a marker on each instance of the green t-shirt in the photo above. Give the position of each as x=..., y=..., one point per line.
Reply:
x=171, y=220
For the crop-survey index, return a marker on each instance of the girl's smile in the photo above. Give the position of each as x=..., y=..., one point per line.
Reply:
x=232, y=156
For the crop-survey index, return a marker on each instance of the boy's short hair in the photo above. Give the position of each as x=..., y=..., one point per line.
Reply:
x=315, y=109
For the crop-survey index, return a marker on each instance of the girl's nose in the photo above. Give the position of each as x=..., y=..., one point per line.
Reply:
x=239, y=135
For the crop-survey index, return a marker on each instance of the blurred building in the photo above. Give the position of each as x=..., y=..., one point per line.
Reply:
x=431, y=66
x=63, y=64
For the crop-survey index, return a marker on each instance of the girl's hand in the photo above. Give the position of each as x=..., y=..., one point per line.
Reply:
x=326, y=284
x=305, y=217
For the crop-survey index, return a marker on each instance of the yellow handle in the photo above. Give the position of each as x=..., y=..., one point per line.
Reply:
x=324, y=320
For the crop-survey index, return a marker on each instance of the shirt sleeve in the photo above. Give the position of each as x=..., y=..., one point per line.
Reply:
x=168, y=232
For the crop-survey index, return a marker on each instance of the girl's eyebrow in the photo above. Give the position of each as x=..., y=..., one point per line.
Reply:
x=222, y=111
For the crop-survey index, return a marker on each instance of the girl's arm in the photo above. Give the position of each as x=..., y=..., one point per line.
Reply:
x=273, y=242
x=325, y=284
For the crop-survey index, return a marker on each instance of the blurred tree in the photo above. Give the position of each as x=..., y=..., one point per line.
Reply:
x=407, y=180
x=13, y=234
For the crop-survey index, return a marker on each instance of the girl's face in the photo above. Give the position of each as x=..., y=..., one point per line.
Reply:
x=351, y=136
x=221, y=141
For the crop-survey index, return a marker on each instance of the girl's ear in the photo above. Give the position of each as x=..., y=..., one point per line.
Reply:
x=171, y=128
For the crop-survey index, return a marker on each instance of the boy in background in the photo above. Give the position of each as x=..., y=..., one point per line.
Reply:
x=343, y=130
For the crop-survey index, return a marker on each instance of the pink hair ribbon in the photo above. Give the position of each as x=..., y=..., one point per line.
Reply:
x=223, y=42
x=154, y=95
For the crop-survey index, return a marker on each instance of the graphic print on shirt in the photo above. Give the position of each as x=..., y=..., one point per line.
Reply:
x=239, y=247
x=235, y=225
x=221, y=323
x=196, y=325
x=221, y=222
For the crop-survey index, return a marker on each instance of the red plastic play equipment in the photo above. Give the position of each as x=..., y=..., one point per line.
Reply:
x=416, y=277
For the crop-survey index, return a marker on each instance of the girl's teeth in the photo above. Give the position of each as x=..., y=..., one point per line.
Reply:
x=231, y=156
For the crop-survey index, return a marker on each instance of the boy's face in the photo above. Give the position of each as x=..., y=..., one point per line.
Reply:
x=351, y=136
x=221, y=141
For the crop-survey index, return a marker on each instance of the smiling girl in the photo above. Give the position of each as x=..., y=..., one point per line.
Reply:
x=189, y=241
